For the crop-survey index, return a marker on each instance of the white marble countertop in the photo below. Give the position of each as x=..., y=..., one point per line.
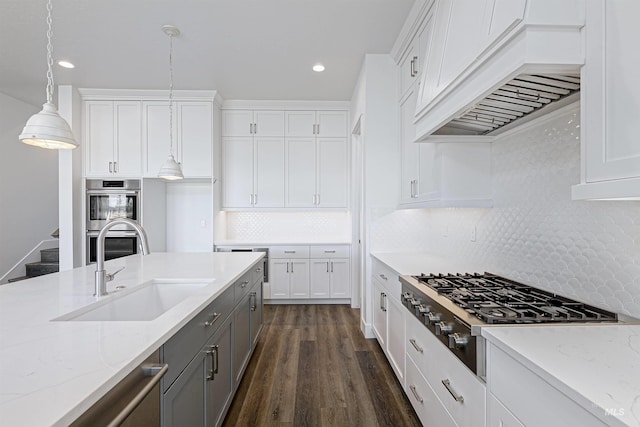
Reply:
x=52, y=371
x=415, y=263
x=267, y=243
x=598, y=366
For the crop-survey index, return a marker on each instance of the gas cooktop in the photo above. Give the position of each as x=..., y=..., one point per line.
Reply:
x=497, y=300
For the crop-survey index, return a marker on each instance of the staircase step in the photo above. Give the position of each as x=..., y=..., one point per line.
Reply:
x=41, y=268
x=50, y=255
x=17, y=279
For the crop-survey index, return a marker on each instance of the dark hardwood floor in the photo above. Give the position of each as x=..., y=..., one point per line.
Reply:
x=313, y=367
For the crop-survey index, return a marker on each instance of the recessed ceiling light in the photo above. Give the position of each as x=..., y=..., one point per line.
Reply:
x=66, y=64
x=318, y=68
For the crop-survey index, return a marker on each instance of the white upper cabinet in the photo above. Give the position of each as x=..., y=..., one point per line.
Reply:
x=329, y=124
x=192, y=137
x=610, y=101
x=253, y=172
x=301, y=162
x=112, y=138
x=252, y=122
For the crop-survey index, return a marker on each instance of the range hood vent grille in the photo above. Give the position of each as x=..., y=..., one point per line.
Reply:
x=514, y=100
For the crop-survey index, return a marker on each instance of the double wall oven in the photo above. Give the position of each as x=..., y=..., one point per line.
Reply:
x=107, y=200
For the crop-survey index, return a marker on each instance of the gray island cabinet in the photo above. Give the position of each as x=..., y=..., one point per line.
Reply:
x=208, y=356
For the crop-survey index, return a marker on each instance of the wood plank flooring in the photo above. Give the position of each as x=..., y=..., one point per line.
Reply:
x=313, y=367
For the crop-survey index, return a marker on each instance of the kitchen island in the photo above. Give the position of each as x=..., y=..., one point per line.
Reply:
x=52, y=371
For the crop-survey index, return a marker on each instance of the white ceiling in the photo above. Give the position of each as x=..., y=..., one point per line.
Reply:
x=245, y=49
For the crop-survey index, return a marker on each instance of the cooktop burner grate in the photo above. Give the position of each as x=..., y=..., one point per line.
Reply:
x=495, y=300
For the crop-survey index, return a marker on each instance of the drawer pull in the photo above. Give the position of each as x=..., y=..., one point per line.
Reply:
x=253, y=304
x=213, y=319
x=244, y=284
x=415, y=393
x=258, y=270
x=383, y=276
x=456, y=396
x=329, y=252
x=416, y=346
x=289, y=252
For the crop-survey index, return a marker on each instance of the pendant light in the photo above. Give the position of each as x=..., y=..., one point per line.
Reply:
x=47, y=129
x=170, y=170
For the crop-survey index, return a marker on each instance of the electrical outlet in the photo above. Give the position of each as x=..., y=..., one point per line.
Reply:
x=473, y=233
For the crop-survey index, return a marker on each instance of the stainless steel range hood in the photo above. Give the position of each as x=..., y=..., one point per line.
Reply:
x=524, y=97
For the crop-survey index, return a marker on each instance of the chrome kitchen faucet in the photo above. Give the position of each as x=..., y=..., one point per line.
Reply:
x=102, y=277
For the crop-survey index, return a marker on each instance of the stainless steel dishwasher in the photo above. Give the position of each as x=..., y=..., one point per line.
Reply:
x=265, y=260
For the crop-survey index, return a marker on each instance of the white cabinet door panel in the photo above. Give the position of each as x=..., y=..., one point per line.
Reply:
x=379, y=314
x=279, y=278
x=300, y=123
x=332, y=172
x=301, y=172
x=320, y=276
x=409, y=149
x=128, y=127
x=237, y=171
x=269, y=172
x=396, y=337
x=498, y=415
x=195, y=136
x=269, y=123
x=99, y=128
x=237, y=122
x=299, y=278
x=340, y=278
x=156, y=136
x=332, y=124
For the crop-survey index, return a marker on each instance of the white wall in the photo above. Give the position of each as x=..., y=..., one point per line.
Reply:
x=535, y=233
x=28, y=186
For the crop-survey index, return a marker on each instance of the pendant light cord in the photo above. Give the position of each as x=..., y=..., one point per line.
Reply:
x=170, y=94
x=49, y=55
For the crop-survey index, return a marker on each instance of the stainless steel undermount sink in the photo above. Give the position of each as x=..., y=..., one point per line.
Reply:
x=142, y=303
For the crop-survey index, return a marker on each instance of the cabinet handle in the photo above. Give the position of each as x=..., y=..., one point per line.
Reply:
x=329, y=252
x=110, y=167
x=383, y=276
x=215, y=358
x=414, y=71
x=318, y=129
x=115, y=167
x=456, y=396
x=415, y=393
x=289, y=252
x=314, y=129
x=292, y=266
x=287, y=267
x=244, y=284
x=332, y=266
x=258, y=270
x=255, y=199
x=210, y=371
x=156, y=372
x=213, y=319
x=253, y=296
x=384, y=302
x=255, y=128
x=327, y=266
x=416, y=346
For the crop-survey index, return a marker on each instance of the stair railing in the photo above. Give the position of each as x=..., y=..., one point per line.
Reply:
x=20, y=268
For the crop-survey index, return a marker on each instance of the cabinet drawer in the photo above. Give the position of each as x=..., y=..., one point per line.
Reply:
x=181, y=348
x=459, y=389
x=329, y=251
x=243, y=284
x=516, y=387
x=289, y=252
x=417, y=342
x=427, y=405
x=388, y=278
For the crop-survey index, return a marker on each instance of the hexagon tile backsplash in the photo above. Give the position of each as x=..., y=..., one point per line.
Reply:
x=535, y=233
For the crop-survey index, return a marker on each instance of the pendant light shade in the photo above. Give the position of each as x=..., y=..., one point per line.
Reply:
x=47, y=129
x=170, y=170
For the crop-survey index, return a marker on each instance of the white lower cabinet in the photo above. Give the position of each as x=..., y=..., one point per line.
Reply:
x=424, y=400
x=498, y=415
x=458, y=391
x=528, y=398
x=303, y=272
x=389, y=317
